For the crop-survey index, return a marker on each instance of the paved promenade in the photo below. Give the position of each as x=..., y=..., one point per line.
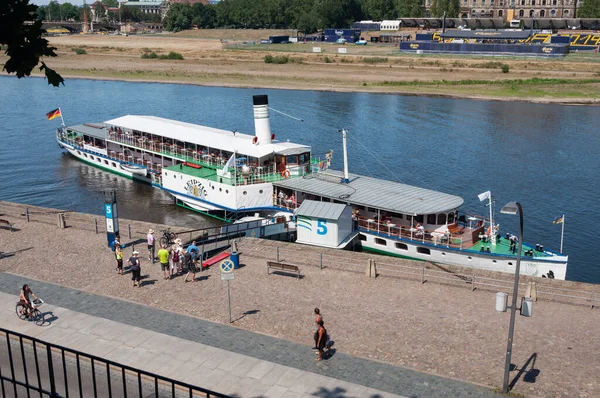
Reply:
x=437, y=328
x=218, y=357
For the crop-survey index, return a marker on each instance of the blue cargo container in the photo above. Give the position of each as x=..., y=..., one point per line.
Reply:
x=279, y=39
x=351, y=35
x=424, y=36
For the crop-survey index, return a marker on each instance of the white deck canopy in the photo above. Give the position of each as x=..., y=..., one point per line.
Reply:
x=206, y=136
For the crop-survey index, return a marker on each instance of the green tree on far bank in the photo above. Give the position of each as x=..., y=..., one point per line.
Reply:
x=179, y=17
x=589, y=9
x=69, y=12
x=450, y=7
x=409, y=9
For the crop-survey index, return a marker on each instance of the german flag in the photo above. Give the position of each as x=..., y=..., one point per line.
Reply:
x=53, y=114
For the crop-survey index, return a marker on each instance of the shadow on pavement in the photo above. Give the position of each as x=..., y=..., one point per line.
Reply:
x=530, y=375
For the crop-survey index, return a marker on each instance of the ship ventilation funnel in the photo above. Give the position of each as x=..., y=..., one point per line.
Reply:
x=262, y=125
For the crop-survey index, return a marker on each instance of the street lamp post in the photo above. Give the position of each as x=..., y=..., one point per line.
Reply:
x=513, y=208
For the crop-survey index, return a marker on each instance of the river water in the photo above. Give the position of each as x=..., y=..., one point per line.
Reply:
x=544, y=156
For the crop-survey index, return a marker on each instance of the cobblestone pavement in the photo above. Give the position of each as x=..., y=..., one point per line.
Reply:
x=436, y=328
x=365, y=372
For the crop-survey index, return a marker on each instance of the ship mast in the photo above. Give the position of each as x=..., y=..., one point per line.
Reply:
x=345, y=179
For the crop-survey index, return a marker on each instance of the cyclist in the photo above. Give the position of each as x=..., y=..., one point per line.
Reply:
x=24, y=298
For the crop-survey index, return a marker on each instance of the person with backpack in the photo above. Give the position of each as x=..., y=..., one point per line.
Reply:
x=190, y=263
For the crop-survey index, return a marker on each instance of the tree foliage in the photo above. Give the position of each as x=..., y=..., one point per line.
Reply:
x=179, y=17
x=589, y=9
x=450, y=7
x=23, y=40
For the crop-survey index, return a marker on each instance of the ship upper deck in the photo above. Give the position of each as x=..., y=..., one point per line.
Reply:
x=374, y=193
x=206, y=136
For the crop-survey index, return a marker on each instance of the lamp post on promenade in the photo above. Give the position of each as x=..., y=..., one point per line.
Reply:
x=513, y=208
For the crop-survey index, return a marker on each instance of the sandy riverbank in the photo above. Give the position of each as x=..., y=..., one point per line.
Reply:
x=377, y=69
x=444, y=329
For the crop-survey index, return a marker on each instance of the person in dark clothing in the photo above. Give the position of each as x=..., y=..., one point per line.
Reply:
x=135, y=268
x=318, y=318
x=321, y=339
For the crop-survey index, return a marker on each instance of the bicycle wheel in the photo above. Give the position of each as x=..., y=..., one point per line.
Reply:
x=172, y=237
x=38, y=317
x=163, y=242
x=21, y=311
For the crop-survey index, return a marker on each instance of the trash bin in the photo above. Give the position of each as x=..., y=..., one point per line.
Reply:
x=527, y=306
x=235, y=259
x=501, y=301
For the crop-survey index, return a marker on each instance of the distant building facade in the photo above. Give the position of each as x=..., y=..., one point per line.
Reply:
x=516, y=9
x=149, y=7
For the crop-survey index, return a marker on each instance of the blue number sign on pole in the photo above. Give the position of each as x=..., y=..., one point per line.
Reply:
x=112, y=220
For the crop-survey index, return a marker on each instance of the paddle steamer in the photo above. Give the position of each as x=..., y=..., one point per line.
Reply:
x=230, y=175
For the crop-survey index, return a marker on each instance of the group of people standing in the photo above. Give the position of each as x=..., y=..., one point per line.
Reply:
x=174, y=259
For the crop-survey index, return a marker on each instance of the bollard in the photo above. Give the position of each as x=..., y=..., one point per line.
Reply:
x=321, y=261
x=533, y=291
x=374, y=269
x=277, y=258
x=129, y=230
x=96, y=224
x=528, y=290
x=61, y=221
x=368, y=269
x=422, y=274
x=27, y=213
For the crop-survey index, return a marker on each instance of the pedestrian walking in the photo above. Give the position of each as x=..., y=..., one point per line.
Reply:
x=321, y=340
x=119, y=258
x=190, y=263
x=163, y=258
x=318, y=318
x=136, y=268
x=150, y=240
x=116, y=242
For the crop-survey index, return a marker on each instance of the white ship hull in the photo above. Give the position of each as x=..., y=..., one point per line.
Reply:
x=531, y=266
x=103, y=162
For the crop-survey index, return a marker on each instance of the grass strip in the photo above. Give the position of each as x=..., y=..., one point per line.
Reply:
x=470, y=82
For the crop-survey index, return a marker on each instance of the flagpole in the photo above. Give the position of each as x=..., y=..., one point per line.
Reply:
x=562, y=233
x=61, y=117
x=492, y=230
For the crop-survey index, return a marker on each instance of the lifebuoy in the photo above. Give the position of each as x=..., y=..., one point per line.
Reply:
x=489, y=231
x=255, y=140
x=322, y=165
x=285, y=173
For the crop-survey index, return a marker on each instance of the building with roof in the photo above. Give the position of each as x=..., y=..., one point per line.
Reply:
x=515, y=9
x=148, y=6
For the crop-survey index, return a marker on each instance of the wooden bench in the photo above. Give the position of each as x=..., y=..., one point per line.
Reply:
x=455, y=229
x=215, y=259
x=7, y=223
x=282, y=267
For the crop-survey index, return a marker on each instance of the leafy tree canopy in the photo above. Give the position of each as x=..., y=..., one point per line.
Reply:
x=589, y=9
x=23, y=40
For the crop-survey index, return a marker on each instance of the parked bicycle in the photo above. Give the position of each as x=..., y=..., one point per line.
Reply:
x=35, y=315
x=168, y=237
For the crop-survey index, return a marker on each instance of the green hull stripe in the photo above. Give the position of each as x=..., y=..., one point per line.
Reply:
x=386, y=253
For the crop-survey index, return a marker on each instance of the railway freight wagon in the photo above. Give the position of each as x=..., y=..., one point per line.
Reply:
x=351, y=35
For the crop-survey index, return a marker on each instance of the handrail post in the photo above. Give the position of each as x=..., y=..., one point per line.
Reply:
x=27, y=213
x=422, y=274
x=129, y=230
x=593, y=298
x=321, y=261
x=53, y=393
x=277, y=258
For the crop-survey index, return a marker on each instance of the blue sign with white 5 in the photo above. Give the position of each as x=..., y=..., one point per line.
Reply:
x=108, y=210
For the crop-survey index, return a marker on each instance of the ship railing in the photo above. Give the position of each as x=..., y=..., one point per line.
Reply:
x=410, y=233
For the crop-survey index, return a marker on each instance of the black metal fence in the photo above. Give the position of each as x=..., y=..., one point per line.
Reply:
x=32, y=367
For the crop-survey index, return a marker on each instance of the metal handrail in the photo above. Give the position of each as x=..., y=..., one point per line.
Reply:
x=106, y=363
